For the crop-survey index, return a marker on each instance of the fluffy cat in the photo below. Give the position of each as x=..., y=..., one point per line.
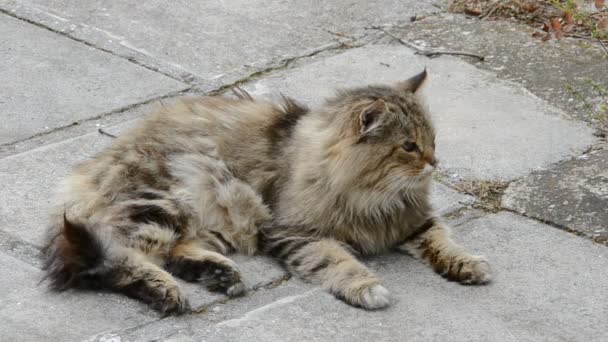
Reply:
x=208, y=176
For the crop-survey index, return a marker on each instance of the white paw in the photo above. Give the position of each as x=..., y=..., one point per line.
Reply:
x=375, y=297
x=236, y=290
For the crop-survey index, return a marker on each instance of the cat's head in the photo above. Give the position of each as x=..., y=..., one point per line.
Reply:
x=386, y=139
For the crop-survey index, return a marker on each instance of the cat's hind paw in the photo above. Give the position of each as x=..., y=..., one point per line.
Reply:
x=170, y=301
x=226, y=278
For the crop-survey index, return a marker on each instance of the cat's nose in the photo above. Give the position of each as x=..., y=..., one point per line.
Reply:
x=433, y=161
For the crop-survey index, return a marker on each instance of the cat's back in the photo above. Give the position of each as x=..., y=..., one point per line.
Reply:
x=243, y=133
x=187, y=120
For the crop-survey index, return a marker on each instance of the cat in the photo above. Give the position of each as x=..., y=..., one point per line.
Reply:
x=208, y=176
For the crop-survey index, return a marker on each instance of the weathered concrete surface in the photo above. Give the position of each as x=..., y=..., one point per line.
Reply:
x=573, y=195
x=446, y=200
x=539, y=293
x=22, y=250
x=30, y=313
x=487, y=128
x=257, y=272
x=30, y=180
x=208, y=41
x=75, y=130
x=548, y=69
x=49, y=81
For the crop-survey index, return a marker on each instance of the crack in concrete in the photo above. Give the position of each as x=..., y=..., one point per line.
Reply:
x=21, y=250
x=557, y=226
x=288, y=62
x=6, y=147
x=272, y=284
x=192, y=80
x=184, y=79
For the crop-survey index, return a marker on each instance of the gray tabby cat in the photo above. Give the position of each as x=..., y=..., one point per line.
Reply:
x=209, y=176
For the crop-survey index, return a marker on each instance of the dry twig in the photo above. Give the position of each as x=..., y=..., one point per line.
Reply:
x=435, y=53
x=103, y=132
x=428, y=53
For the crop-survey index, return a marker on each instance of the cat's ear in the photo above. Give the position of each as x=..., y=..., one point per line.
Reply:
x=414, y=83
x=371, y=117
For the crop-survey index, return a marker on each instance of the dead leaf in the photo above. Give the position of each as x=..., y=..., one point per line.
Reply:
x=599, y=4
x=546, y=37
x=472, y=11
x=568, y=18
x=537, y=34
x=545, y=27
x=557, y=28
x=567, y=28
x=531, y=8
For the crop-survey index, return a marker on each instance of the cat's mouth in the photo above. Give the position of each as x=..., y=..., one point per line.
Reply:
x=427, y=170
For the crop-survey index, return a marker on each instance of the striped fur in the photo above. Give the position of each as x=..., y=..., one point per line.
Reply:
x=205, y=177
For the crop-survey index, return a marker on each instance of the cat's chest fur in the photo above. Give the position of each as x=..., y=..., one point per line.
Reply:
x=368, y=229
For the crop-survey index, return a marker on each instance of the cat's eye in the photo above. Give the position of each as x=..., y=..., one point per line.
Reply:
x=409, y=146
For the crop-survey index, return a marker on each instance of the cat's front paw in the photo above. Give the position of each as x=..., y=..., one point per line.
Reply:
x=375, y=297
x=473, y=270
x=370, y=297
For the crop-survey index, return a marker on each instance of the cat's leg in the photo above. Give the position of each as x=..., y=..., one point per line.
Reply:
x=192, y=260
x=219, y=201
x=329, y=263
x=136, y=276
x=448, y=259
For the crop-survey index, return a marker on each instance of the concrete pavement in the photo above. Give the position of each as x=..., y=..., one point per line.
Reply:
x=71, y=67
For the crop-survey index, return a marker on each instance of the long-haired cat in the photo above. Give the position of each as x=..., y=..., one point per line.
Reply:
x=208, y=176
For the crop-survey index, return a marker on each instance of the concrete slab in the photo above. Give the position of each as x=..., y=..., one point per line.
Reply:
x=180, y=328
x=50, y=81
x=29, y=313
x=573, y=195
x=550, y=69
x=539, y=293
x=75, y=130
x=213, y=42
x=19, y=249
x=487, y=128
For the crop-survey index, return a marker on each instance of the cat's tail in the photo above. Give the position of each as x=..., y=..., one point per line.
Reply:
x=71, y=255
